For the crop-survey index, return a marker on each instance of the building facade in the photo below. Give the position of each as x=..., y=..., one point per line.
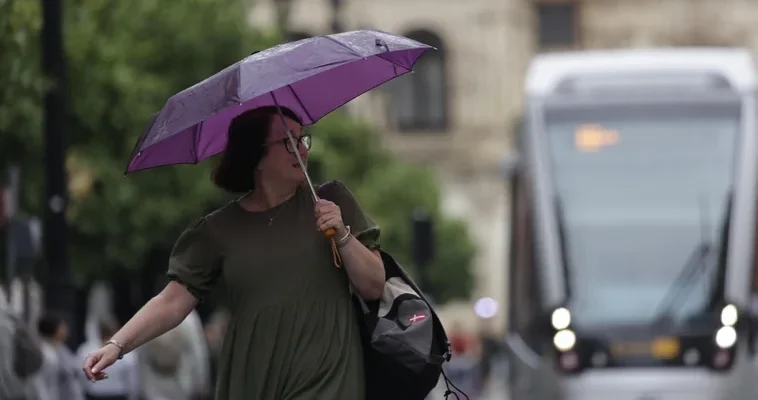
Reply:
x=458, y=112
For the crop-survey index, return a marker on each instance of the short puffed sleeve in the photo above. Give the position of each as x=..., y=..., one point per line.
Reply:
x=196, y=259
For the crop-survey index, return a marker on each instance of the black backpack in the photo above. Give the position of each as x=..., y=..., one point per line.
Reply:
x=404, y=342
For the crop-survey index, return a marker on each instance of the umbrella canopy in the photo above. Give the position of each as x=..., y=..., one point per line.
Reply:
x=312, y=77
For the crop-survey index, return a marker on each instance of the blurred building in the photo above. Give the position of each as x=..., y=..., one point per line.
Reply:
x=459, y=111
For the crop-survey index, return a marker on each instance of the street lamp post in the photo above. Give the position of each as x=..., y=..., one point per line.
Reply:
x=58, y=290
x=9, y=205
x=423, y=247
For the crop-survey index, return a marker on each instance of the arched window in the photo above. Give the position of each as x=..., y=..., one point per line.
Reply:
x=418, y=101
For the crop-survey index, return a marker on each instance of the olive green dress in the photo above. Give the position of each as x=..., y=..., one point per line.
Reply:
x=294, y=333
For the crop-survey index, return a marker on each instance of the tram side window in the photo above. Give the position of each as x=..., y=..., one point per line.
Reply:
x=525, y=299
x=754, y=283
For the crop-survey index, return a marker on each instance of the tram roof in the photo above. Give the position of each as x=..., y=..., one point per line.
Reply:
x=549, y=70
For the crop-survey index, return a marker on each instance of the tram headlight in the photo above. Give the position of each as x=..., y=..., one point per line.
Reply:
x=726, y=337
x=560, y=319
x=564, y=340
x=729, y=315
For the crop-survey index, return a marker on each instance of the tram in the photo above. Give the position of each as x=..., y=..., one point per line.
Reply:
x=633, y=227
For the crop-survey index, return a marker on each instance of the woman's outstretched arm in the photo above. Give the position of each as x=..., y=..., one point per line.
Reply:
x=159, y=315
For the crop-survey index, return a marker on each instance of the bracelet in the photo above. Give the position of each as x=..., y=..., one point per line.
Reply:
x=344, y=240
x=120, y=348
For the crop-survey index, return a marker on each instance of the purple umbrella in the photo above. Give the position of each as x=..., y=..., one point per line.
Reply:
x=312, y=77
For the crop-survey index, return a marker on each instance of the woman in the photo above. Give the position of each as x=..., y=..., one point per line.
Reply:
x=99, y=307
x=293, y=333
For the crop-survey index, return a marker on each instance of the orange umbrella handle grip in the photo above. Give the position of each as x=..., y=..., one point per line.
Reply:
x=329, y=233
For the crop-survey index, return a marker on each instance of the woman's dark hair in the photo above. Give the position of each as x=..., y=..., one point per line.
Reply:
x=245, y=147
x=48, y=325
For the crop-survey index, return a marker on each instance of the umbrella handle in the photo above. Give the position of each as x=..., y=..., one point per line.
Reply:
x=336, y=254
x=329, y=233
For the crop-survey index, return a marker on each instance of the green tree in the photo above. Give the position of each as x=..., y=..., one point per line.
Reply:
x=390, y=190
x=124, y=60
x=20, y=86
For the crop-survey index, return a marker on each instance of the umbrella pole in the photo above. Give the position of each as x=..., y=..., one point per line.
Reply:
x=297, y=155
x=330, y=232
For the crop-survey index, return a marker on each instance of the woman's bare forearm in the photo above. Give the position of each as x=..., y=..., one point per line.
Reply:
x=364, y=269
x=158, y=316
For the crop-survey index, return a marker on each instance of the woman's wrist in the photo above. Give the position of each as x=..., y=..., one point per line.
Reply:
x=343, y=236
x=118, y=345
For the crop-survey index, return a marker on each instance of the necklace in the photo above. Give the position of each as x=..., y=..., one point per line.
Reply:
x=281, y=207
x=271, y=219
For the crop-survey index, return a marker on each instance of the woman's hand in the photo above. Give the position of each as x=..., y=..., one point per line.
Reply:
x=329, y=215
x=101, y=359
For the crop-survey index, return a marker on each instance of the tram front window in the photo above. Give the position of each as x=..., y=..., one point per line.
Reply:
x=639, y=189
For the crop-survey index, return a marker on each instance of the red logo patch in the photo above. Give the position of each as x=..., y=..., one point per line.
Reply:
x=416, y=318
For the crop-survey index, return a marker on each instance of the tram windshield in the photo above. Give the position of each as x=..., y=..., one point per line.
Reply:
x=640, y=187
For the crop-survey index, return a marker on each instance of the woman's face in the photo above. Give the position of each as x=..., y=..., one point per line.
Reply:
x=280, y=163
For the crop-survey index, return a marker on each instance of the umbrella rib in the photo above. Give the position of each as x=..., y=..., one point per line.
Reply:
x=140, y=141
x=196, y=141
x=359, y=55
x=302, y=105
x=343, y=45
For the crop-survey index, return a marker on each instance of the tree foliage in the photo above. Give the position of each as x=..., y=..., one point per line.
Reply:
x=124, y=60
x=20, y=86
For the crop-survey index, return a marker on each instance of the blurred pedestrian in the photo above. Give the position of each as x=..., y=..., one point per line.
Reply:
x=492, y=350
x=59, y=370
x=4, y=298
x=160, y=363
x=21, y=360
x=196, y=368
x=215, y=330
x=293, y=331
x=464, y=368
x=17, y=304
x=123, y=378
x=175, y=365
x=99, y=308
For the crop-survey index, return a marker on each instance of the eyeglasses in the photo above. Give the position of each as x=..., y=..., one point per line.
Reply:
x=304, y=140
